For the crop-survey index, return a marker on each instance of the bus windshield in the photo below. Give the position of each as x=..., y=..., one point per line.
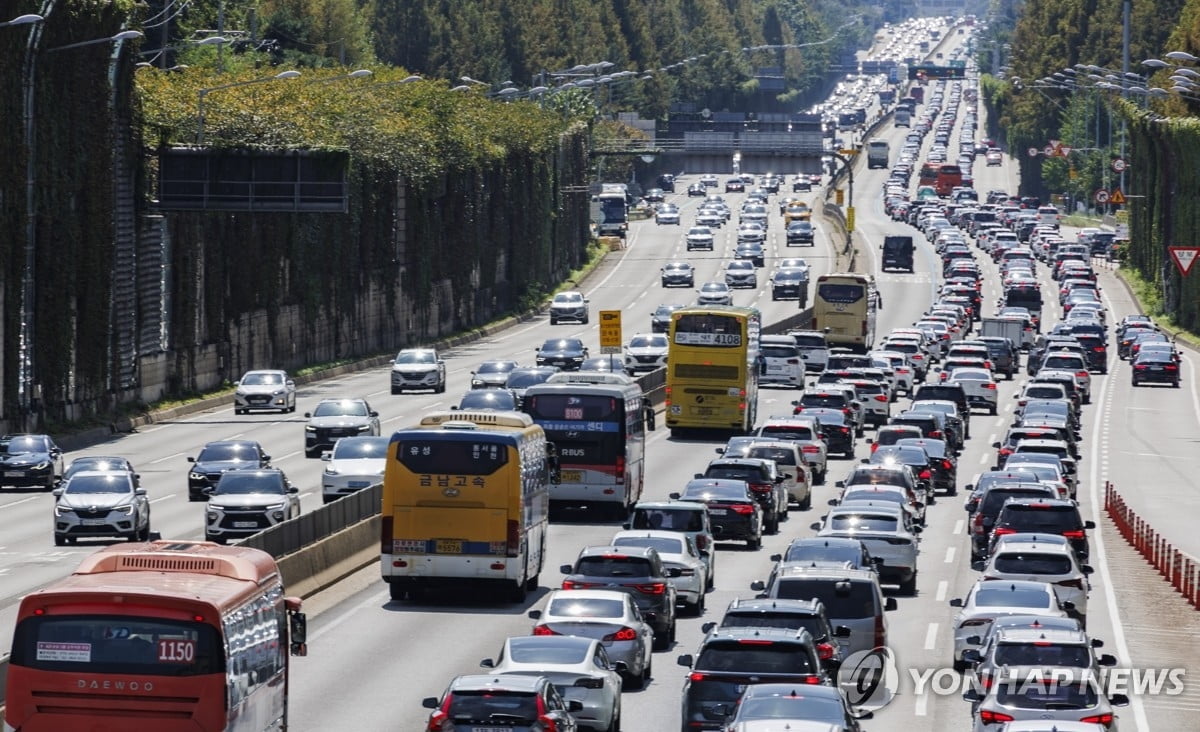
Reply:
x=441, y=457
x=843, y=294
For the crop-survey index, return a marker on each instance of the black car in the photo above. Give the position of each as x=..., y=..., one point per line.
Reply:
x=697, y=189
x=990, y=500
x=1005, y=355
x=733, y=510
x=765, y=481
x=735, y=185
x=660, y=319
x=637, y=571
x=729, y=659
x=1044, y=516
x=678, y=274
x=28, y=460
x=751, y=250
x=495, y=399
x=1155, y=367
x=522, y=378
x=217, y=457
x=666, y=181
x=950, y=393
x=897, y=253
x=801, y=184
x=941, y=461
x=1095, y=348
x=914, y=457
x=566, y=353
x=790, y=615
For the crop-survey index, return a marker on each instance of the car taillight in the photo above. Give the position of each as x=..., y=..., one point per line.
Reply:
x=651, y=588
x=1105, y=719
x=881, y=397
x=989, y=386
x=624, y=634
x=1140, y=367
x=697, y=676
x=947, y=465
x=844, y=430
x=925, y=474
x=514, y=538
x=1170, y=367
x=701, y=542
x=545, y=630
x=798, y=409
x=987, y=716
x=1003, y=531
x=440, y=719
x=874, y=447
x=825, y=651
x=880, y=631
x=902, y=371
x=1099, y=349
x=936, y=434
x=1076, y=584
x=1074, y=534
x=810, y=450
x=847, y=411
x=743, y=509
x=1081, y=374
x=760, y=487
x=1005, y=452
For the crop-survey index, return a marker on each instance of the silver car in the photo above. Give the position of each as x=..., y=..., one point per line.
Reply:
x=686, y=570
x=988, y=600
x=609, y=616
x=1025, y=646
x=100, y=503
x=741, y=273
x=714, y=293
x=247, y=501
x=886, y=531
x=418, y=368
x=354, y=463
x=1045, y=694
x=571, y=306
x=1041, y=558
x=699, y=237
x=268, y=390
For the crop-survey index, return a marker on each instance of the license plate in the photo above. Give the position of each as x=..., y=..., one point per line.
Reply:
x=717, y=511
x=1156, y=368
x=704, y=411
x=92, y=522
x=775, y=369
x=490, y=729
x=571, y=476
x=245, y=524
x=14, y=474
x=448, y=546
x=359, y=483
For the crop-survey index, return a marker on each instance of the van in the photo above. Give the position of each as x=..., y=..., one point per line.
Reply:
x=852, y=597
x=1048, y=215
x=789, y=461
x=814, y=349
x=685, y=517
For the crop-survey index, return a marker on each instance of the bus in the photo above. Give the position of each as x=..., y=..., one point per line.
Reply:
x=949, y=177
x=845, y=308
x=466, y=497
x=877, y=154
x=167, y=635
x=610, y=210
x=712, y=368
x=928, y=174
x=597, y=422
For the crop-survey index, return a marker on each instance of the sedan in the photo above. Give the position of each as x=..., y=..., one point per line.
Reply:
x=714, y=293
x=94, y=503
x=609, y=616
x=696, y=189
x=660, y=319
x=565, y=353
x=751, y=250
x=492, y=374
x=30, y=460
x=1155, y=367
x=579, y=668
x=979, y=386
x=667, y=215
x=882, y=527
x=489, y=399
x=354, y=463
x=800, y=232
x=988, y=600
x=699, y=237
x=796, y=707
x=676, y=274
x=708, y=180
x=736, y=514
x=272, y=390
x=741, y=273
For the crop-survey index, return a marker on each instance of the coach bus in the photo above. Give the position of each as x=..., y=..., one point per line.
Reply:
x=844, y=307
x=712, y=368
x=597, y=422
x=164, y=635
x=466, y=498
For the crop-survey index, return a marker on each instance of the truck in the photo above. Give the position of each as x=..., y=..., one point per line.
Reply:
x=897, y=253
x=902, y=117
x=877, y=154
x=610, y=210
x=1012, y=329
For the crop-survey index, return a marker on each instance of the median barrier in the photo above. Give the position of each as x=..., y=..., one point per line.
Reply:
x=1179, y=568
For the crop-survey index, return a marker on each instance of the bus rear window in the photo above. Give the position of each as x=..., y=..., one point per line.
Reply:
x=707, y=329
x=841, y=294
x=445, y=457
x=117, y=644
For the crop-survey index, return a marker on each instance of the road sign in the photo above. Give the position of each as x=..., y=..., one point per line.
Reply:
x=1184, y=258
x=1064, y=151
x=1048, y=151
x=610, y=331
x=1116, y=197
x=849, y=218
x=1100, y=196
x=1033, y=152
x=849, y=151
x=1119, y=165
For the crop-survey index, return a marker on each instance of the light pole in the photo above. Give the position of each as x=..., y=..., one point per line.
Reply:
x=203, y=93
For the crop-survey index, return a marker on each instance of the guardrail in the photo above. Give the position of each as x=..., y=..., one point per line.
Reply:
x=306, y=529
x=1179, y=568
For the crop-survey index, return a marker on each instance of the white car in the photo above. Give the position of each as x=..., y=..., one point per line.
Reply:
x=267, y=389
x=666, y=215
x=686, y=569
x=354, y=463
x=789, y=461
x=1076, y=364
x=714, y=293
x=570, y=305
x=781, y=361
x=988, y=600
x=979, y=386
x=1041, y=558
x=806, y=434
x=710, y=218
x=580, y=667
x=699, y=237
x=610, y=616
x=646, y=352
x=418, y=368
x=814, y=349
x=751, y=231
x=741, y=273
x=887, y=532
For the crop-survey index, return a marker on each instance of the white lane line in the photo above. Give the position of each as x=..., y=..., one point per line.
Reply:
x=983, y=459
x=959, y=525
x=950, y=552
x=169, y=457
x=942, y=588
x=931, y=637
x=396, y=418
x=305, y=493
x=18, y=503
x=435, y=405
x=162, y=498
x=294, y=453
x=991, y=438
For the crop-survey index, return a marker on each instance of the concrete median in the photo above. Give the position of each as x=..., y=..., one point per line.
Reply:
x=323, y=563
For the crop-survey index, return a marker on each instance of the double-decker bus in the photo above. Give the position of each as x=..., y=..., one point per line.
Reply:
x=712, y=368
x=844, y=307
x=164, y=635
x=597, y=423
x=466, y=497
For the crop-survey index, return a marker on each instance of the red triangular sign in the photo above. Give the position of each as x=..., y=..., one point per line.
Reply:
x=1184, y=257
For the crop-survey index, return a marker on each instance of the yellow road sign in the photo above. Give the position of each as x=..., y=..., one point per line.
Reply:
x=1116, y=197
x=849, y=151
x=850, y=218
x=610, y=331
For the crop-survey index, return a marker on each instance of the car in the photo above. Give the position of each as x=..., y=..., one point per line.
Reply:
x=730, y=660
x=787, y=614
x=994, y=158
x=1044, y=558
x=246, y=501
x=678, y=274
x=800, y=232
x=735, y=185
x=418, y=368
x=565, y=353
x=520, y=379
x=751, y=250
x=646, y=352
x=814, y=348
x=570, y=305
x=699, y=237
x=1035, y=643
x=697, y=189
x=751, y=231
x=30, y=460
x=1155, y=367
x=678, y=552
x=806, y=433
x=653, y=195
x=708, y=180
x=666, y=181
x=609, y=616
x=638, y=571
x=714, y=293
x=830, y=551
x=612, y=363
x=988, y=600
x=273, y=390
x=979, y=386
x=763, y=478
x=660, y=319
x=101, y=463
x=667, y=215
x=781, y=361
x=504, y=400
x=353, y=464
x=94, y=503
x=987, y=496
x=219, y=456
x=708, y=218
x=1073, y=362
x=795, y=707
x=1045, y=695
x=335, y=418
x=802, y=183
x=1044, y=516
x=580, y=667
x=741, y=273
x=686, y=517
x=789, y=284
x=834, y=397
x=736, y=514
x=519, y=703
x=492, y=374
x=885, y=529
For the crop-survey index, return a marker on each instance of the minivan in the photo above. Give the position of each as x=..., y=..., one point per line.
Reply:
x=852, y=597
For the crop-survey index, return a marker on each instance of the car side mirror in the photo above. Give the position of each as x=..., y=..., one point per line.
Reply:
x=972, y=655
x=685, y=660
x=890, y=604
x=293, y=489
x=840, y=484
x=308, y=415
x=776, y=557
x=815, y=526
x=1089, y=524
x=327, y=456
x=841, y=631
x=1086, y=569
x=1068, y=605
x=534, y=614
x=978, y=566
x=191, y=459
x=430, y=702
x=136, y=491
x=698, y=475
x=374, y=413
x=566, y=569
x=758, y=585
x=56, y=492
x=673, y=496
x=956, y=602
x=487, y=663
x=707, y=627
x=1119, y=700
x=972, y=695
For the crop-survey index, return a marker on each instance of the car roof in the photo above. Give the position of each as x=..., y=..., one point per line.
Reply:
x=764, y=605
x=649, y=534
x=673, y=505
x=804, y=568
x=582, y=594
x=775, y=635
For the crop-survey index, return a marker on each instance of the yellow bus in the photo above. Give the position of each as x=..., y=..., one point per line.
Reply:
x=712, y=368
x=844, y=307
x=466, y=497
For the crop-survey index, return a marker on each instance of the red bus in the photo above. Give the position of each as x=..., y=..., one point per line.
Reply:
x=164, y=635
x=949, y=177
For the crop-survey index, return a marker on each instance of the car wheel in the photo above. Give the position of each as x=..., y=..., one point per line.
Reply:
x=806, y=504
x=441, y=388
x=236, y=410
x=146, y=532
x=60, y=540
x=754, y=543
x=772, y=524
x=516, y=592
x=395, y=391
x=992, y=410
x=396, y=591
x=553, y=321
x=585, y=320
x=662, y=641
x=311, y=453
x=1175, y=385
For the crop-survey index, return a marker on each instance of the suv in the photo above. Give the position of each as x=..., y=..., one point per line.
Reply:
x=787, y=614
x=636, y=570
x=985, y=503
x=729, y=659
x=247, y=501
x=217, y=457
x=333, y=419
x=418, y=368
x=814, y=348
x=735, y=513
x=789, y=461
x=272, y=390
x=523, y=703
x=1044, y=516
x=781, y=362
x=95, y=503
x=948, y=391
x=1006, y=357
x=685, y=517
x=764, y=480
x=852, y=597
x=806, y=432
x=834, y=396
x=570, y=305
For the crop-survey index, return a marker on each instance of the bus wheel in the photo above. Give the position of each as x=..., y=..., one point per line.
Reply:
x=516, y=592
x=532, y=583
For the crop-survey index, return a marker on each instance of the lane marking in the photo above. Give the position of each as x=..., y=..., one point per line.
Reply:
x=162, y=498
x=18, y=503
x=959, y=525
x=931, y=637
x=943, y=587
x=168, y=457
x=950, y=552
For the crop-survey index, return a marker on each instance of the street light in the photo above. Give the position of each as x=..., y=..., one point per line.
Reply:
x=26, y=19
x=128, y=35
x=205, y=92
x=359, y=74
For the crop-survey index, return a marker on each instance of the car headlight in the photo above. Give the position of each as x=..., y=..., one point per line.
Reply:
x=195, y=476
x=274, y=507
x=127, y=510
x=330, y=470
x=63, y=511
x=364, y=427
x=213, y=515
x=476, y=383
x=279, y=392
x=278, y=515
x=309, y=428
x=41, y=466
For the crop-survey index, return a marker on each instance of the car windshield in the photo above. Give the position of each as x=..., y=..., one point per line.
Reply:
x=714, y=287
x=614, y=566
x=415, y=357
x=662, y=545
x=113, y=483
x=1000, y=594
x=495, y=367
x=1042, y=654
x=344, y=408
x=568, y=298
x=848, y=600
x=667, y=519
x=235, y=482
x=862, y=522
x=1049, y=693
x=524, y=379
x=483, y=704
x=563, y=345
x=656, y=341
x=261, y=379
x=551, y=649
x=1031, y=563
x=824, y=709
x=820, y=551
x=227, y=453
x=19, y=445
x=361, y=448
x=79, y=465
x=488, y=399
x=762, y=657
